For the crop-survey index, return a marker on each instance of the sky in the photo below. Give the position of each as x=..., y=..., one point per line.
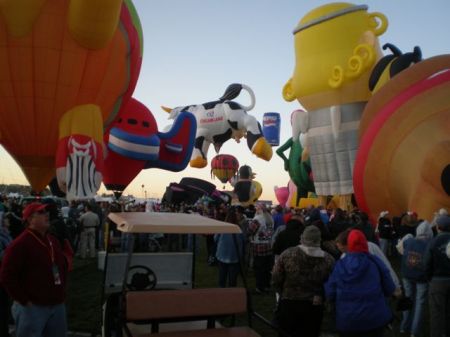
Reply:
x=193, y=49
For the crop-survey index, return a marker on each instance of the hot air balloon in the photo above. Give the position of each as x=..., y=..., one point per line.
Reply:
x=134, y=144
x=298, y=163
x=282, y=195
x=336, y=49
x=404, y=158
x=246, y=189
x=224, y=167
x=224, y=119
x=68, y=67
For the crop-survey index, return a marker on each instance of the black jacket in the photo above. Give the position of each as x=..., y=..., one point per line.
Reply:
x=436, y=262
x=289, y=237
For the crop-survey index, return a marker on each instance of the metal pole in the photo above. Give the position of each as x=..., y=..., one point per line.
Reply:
x=128, y=263
x=194, y=241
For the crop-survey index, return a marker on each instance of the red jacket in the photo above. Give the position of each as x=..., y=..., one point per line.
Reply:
x=27, y=273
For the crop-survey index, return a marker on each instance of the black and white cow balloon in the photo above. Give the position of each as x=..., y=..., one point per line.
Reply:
x=221, y=120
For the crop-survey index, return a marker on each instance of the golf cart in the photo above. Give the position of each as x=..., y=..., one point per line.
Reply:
x=141, y=302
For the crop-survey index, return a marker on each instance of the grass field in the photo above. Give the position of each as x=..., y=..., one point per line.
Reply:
x=85, y=288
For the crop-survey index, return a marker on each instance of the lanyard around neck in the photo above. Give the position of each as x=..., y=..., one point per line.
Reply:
x=50, y=250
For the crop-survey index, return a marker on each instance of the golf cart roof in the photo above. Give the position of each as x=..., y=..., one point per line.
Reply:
x=175, y=223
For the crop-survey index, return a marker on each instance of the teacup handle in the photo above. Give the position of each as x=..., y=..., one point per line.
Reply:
x=381, y=22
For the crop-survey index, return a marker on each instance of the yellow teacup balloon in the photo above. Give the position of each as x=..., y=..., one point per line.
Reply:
x=336, y=48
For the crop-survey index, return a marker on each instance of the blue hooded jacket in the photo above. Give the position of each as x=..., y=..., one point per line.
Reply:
x=226, y=249
x=358, y=285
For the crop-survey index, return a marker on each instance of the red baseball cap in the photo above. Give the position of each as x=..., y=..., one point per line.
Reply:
x=32, y=208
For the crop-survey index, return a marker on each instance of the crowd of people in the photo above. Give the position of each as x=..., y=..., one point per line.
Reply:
x=316, y=261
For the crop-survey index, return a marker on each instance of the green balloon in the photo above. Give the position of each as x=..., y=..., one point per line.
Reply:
x=299, y=171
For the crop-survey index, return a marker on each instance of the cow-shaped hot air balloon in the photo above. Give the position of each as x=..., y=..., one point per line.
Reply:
x=224, y=119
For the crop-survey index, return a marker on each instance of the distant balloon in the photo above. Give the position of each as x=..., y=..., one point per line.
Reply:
x=271, y=128
x=224, y=167
x=282, y=195
x=246, y=188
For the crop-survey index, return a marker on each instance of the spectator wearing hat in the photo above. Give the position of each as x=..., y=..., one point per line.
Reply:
x=341, y=242
x=34, y=273
x=415, y=281
x=437, y=214
x=298, y=276
x=385, y=231
x=437, y=267
x=358, y=286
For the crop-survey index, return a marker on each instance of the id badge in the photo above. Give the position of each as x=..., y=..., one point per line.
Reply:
x=56, y=275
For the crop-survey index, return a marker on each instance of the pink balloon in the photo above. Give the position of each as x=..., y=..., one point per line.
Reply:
x=292, y=193
x=282, y=194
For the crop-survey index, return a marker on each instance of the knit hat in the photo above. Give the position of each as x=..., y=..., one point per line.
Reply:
x=383, y=214
x=424, y=230
x=311, y=237
x=442, y=211
x=357, y=242
x=443, y=222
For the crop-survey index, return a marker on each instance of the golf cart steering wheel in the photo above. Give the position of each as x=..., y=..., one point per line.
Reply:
x=141, y=281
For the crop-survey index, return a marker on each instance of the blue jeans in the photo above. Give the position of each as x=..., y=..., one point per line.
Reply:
x=384, y=246
x=412, y=319
x=439, y=301
x=39, y=320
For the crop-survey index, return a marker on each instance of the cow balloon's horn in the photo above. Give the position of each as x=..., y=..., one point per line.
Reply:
x=166, y=109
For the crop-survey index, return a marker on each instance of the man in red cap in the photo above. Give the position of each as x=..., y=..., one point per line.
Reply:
x=34, y=272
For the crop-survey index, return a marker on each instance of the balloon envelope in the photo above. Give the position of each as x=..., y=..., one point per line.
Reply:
x=224, y=167
x=282, y=194
x=48, y=70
